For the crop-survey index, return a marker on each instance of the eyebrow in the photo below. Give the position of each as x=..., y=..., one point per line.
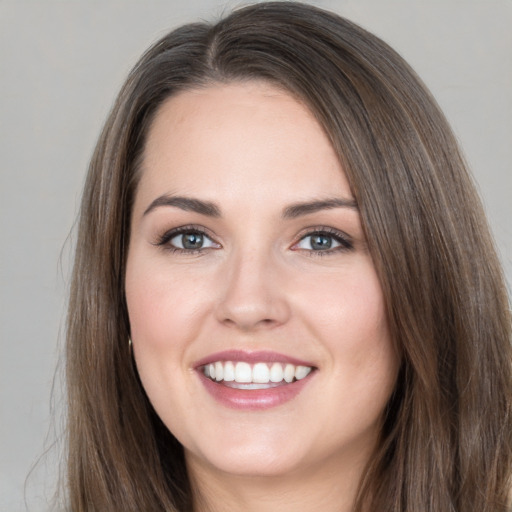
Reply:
x=185, y=203
x=298, y=209
x=212, y=210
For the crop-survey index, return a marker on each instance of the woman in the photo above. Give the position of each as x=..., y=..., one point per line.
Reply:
x=285, y=293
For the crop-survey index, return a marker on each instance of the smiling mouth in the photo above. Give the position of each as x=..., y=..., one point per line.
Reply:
x=261, y=375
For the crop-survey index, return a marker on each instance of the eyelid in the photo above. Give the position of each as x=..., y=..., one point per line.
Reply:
x=345, y=241
x=164, y=239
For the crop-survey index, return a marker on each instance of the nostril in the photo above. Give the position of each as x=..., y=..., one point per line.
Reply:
x=247, y=324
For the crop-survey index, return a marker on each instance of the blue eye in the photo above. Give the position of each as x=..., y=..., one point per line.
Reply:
x=318, y=242
x=191, y=240
x=324, y=241
x=187, y=240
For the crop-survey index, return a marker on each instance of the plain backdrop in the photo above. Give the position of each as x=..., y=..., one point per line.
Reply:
x=61, y=64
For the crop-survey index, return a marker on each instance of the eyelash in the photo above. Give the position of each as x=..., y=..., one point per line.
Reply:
x=345, y=241
x=163, y=241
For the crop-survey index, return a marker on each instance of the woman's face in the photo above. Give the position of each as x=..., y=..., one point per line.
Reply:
x=257, y=319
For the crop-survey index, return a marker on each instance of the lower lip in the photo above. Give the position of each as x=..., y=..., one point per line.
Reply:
x=254, y=399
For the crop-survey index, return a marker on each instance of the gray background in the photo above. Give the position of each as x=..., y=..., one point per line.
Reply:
x=61, y=64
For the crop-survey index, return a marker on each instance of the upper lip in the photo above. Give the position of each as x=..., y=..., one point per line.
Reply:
x=259, y=356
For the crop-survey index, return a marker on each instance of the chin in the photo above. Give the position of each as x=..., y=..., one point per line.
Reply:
x=254, y=460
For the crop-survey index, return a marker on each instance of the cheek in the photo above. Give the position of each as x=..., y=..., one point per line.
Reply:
x=350, y=320
x=163, y=306
x=347, y=308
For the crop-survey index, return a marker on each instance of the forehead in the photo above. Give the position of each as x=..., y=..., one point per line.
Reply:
x=226, y=140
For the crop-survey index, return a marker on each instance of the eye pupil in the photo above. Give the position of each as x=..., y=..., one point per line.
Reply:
x=319, y=242
x=192, y=240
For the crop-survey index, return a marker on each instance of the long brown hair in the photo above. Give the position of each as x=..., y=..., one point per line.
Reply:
x=446, y=443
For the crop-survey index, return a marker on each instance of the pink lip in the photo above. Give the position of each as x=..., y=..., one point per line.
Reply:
x=255, y=399
x=261, y=356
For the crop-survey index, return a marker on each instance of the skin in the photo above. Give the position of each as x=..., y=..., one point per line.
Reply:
x=253, y=150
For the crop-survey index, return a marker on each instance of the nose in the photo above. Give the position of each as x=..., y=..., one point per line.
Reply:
x=253, y=294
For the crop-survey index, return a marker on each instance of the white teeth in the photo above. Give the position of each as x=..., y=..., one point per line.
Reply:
x=258, y=374
x=301, y=372
x=289, y=372
x=219, y=371
x=229, y=372
x=276, y=373
x=243, y=372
